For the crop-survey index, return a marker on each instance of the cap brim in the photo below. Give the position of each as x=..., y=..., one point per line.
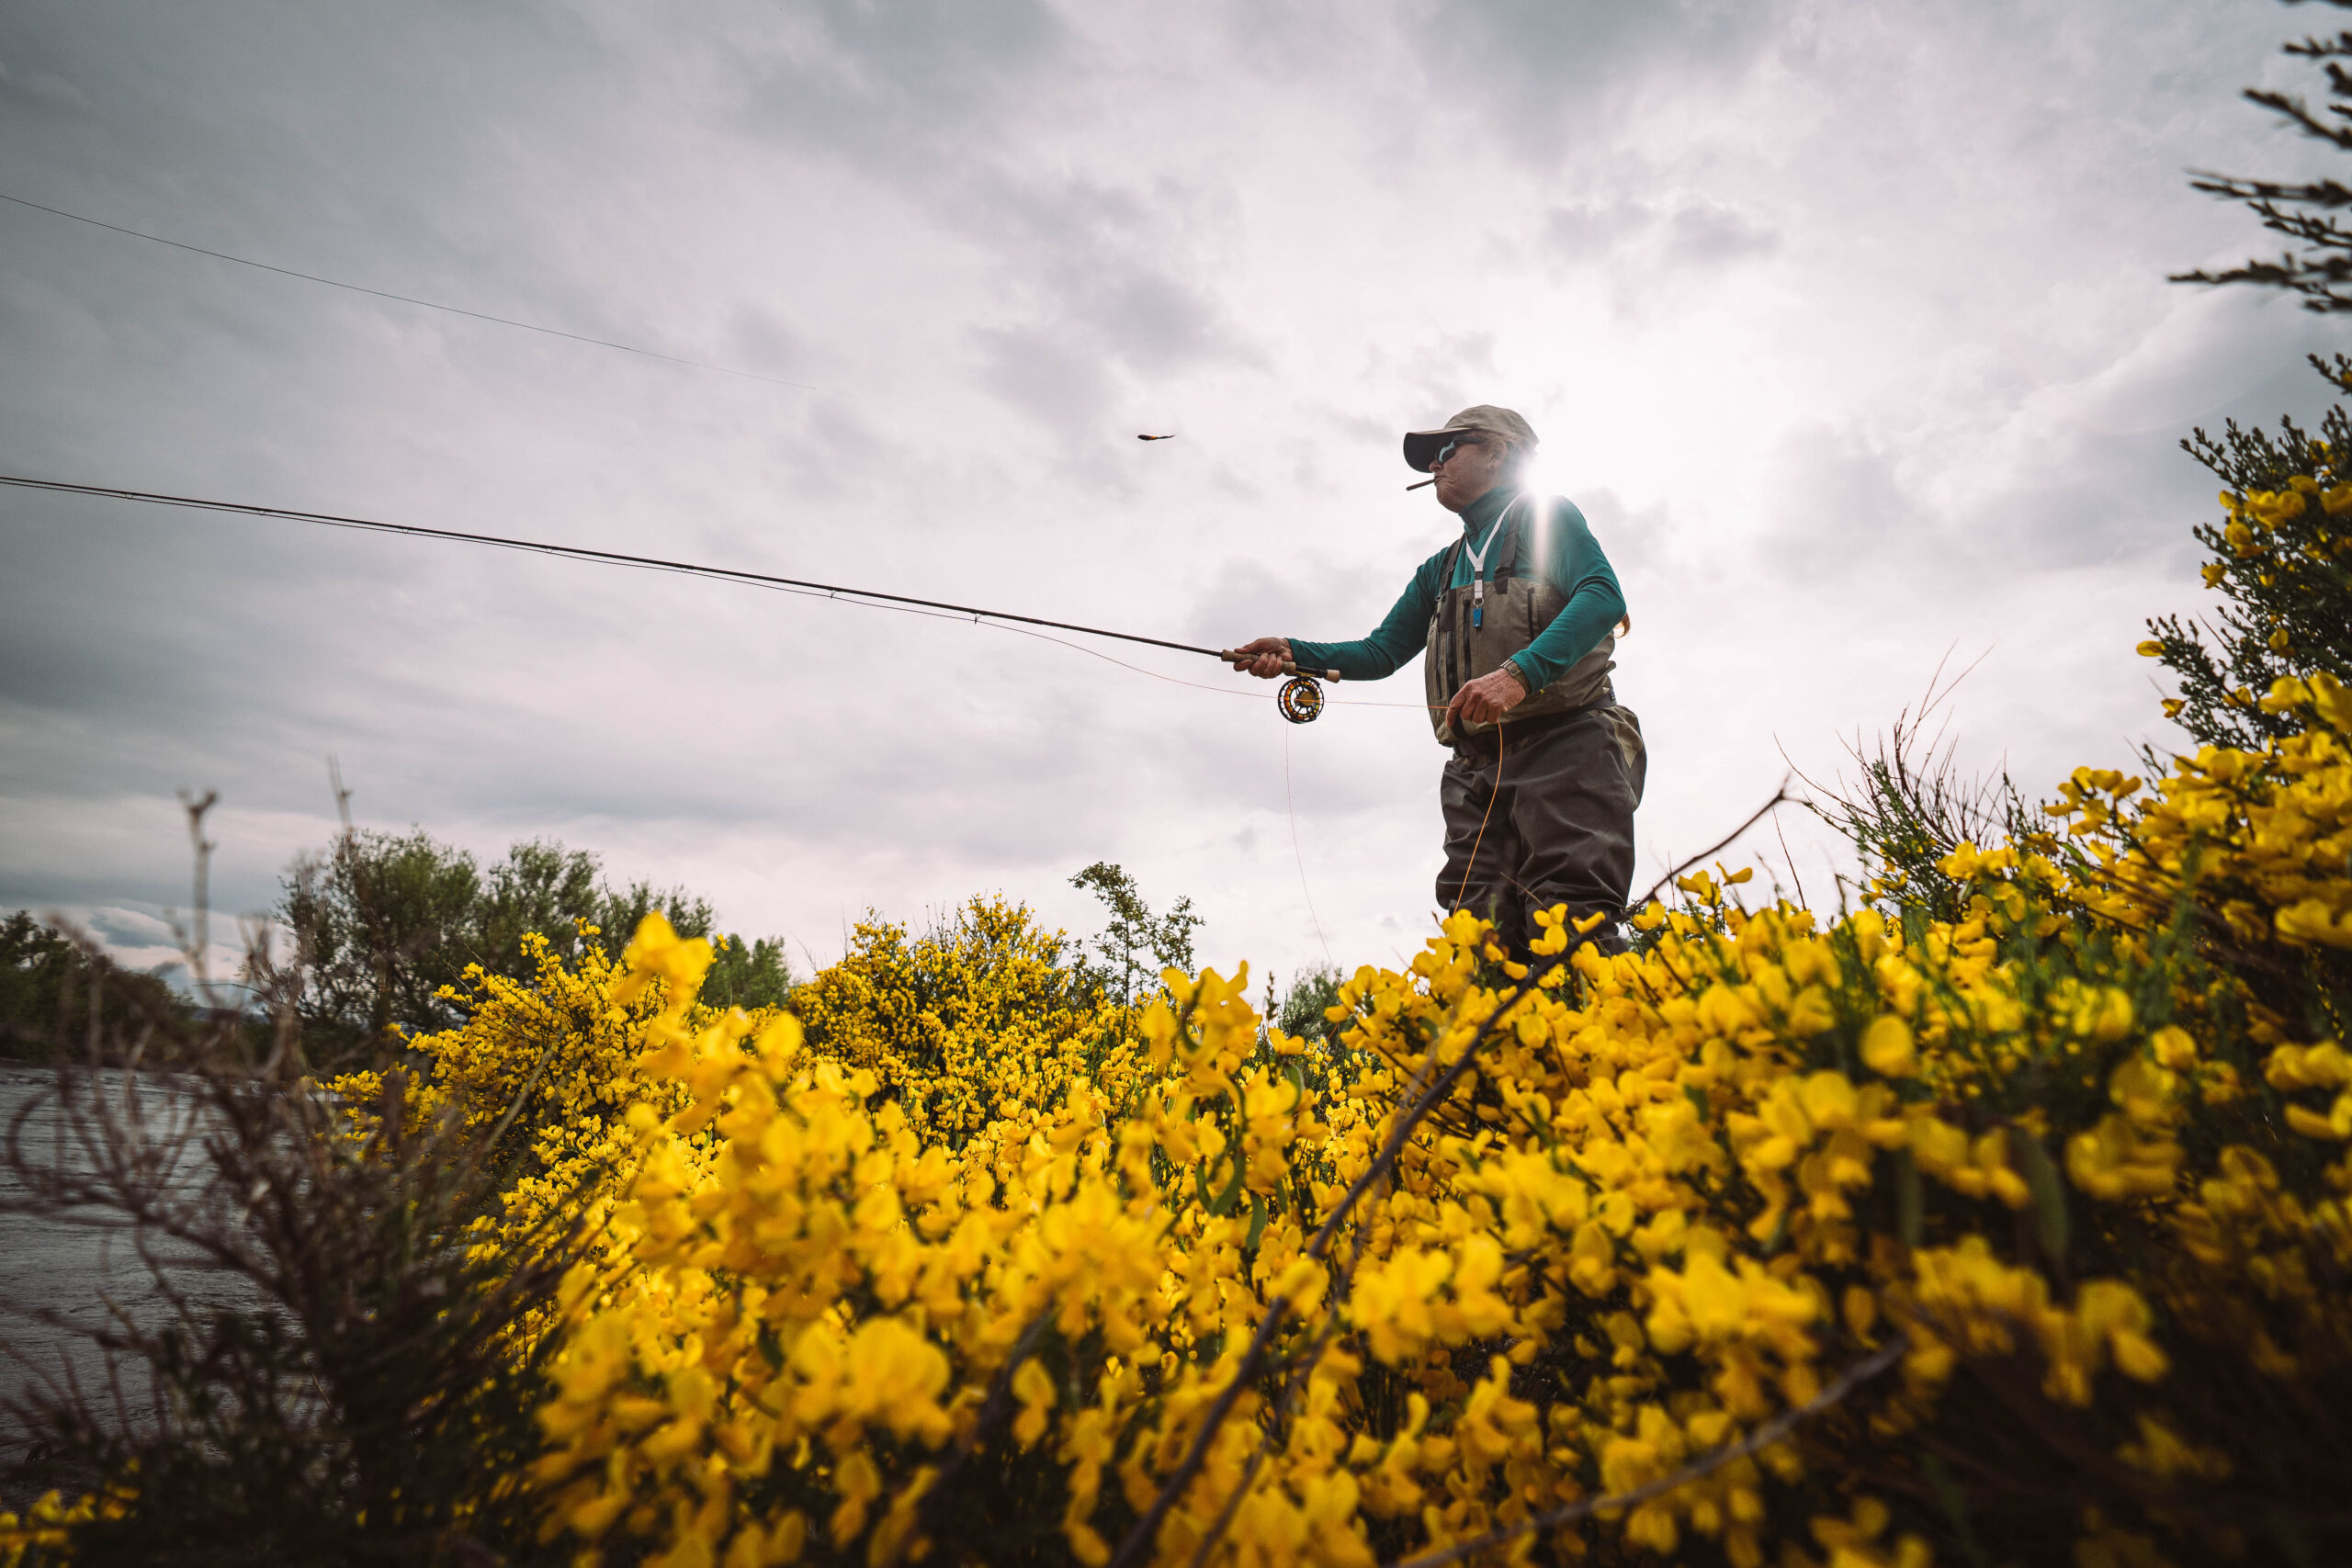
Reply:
x=1421, y=447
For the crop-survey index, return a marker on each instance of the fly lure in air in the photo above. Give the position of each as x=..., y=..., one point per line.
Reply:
x=1300, y=700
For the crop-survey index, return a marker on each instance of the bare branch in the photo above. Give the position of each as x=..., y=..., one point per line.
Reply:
x=1780, y=798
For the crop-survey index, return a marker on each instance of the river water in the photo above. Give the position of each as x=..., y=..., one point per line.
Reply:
x=83, y=1265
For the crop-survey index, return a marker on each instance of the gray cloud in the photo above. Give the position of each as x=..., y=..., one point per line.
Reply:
x=1846, y=328
x=898, y=88
x=1553, y=74
x=1441, y=372
x=1041, y=372
x=1691, y=233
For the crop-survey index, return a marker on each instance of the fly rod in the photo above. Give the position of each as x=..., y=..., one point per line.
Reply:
x=1300, y=699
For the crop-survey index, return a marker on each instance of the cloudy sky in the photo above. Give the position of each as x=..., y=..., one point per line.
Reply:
x=1845, y=323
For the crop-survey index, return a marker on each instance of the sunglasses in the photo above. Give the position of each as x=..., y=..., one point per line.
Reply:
x=1451, y=448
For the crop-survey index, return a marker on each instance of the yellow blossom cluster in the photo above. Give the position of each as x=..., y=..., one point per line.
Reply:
x=875, y=1292
x=45, y=1530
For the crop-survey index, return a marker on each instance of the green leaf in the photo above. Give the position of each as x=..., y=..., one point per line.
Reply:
x=1222, y=1204
x=1232, y=1193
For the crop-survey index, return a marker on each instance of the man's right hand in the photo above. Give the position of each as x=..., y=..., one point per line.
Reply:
x=1263, y=658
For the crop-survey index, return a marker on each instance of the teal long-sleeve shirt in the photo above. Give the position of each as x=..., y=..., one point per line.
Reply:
x=1559, y=548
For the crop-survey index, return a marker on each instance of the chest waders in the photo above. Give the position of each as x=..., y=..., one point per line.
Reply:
x=1479, y=624
x=1539, y=810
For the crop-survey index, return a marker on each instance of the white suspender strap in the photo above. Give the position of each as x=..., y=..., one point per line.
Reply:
x=1478, y=561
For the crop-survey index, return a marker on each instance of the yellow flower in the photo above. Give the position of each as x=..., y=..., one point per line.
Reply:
x=1887, y=1047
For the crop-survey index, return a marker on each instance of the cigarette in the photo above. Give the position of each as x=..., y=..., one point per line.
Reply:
x=1413, y=487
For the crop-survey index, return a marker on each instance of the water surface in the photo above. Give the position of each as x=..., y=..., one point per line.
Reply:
x=84, y=1265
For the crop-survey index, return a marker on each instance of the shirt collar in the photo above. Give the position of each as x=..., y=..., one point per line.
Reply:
x=1478, y=517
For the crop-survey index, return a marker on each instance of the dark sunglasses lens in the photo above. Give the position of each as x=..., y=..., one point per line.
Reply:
x=1442, y=453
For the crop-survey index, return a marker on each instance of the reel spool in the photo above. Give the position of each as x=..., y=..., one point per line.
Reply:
x=1300, y=700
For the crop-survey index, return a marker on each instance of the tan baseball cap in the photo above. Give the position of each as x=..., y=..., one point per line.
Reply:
x=1421, y=447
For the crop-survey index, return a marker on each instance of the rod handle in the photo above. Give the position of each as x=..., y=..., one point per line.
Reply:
x=1290, y=667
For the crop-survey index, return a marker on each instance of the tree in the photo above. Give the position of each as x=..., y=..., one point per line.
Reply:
x=1134, y=930
x=2305, y=211
x=749, y=976
x=375, y=925
x=55, y=995
x=2280, y=558
x=386, y=921
x=1303, y=1007
x=541, y=887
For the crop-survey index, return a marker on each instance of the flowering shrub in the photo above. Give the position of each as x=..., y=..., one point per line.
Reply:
x=967, y=1028
x=959, y=1260
x=2019, y=1234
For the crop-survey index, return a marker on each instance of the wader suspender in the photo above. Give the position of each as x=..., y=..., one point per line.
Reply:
x=1456, y=639
x=1446, y=647
x=1502, y=530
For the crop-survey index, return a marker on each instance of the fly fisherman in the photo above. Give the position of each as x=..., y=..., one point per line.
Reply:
x=1519, y=617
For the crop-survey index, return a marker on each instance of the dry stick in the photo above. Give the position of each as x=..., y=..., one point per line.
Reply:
x=1780, y=798
x=1257, y=1457
x=1794, y=875
x=1764, y=1436
x=1140, y=1537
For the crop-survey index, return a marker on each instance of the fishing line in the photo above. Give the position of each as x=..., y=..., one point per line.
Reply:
x=1502, y=745
x=1299, y=855
x=1300, y=694
x=406, y=299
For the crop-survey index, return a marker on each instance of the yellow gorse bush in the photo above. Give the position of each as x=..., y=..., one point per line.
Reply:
x=955, y=1258
x=1780, y=1239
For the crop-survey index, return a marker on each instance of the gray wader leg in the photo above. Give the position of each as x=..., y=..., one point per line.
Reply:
x=1560, y=830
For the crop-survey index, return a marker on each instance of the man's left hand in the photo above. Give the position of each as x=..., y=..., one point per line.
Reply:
x=1485, y=699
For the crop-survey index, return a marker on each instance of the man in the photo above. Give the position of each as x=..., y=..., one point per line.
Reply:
x=1520, y=618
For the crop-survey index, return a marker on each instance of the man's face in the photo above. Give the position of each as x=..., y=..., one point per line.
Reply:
x=1468, y=469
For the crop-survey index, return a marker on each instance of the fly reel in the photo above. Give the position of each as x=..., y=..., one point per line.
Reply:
x=1300, y=700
